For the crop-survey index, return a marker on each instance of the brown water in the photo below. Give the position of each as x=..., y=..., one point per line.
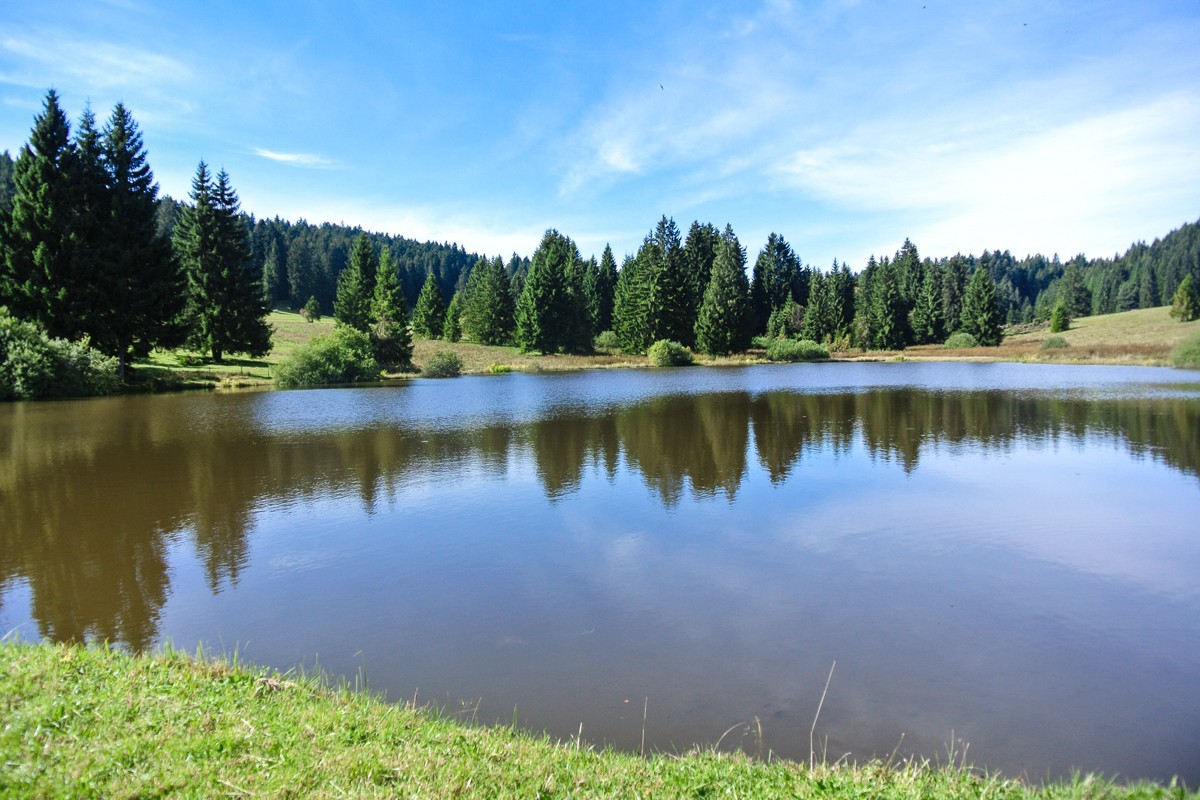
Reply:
x=1002, y=554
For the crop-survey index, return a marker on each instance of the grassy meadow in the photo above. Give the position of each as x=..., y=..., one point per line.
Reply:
x=95, y=722
x=1144, y=337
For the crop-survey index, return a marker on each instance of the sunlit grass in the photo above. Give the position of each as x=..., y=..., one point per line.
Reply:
x=94, y=722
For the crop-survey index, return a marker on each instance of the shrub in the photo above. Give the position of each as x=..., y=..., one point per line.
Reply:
x=499, y=369
x=607, y=341
x=1187, y=355
x=796, y=350
x=311, y=310
x=341, y=356
x=35, y=366
x=960, y=341
x=665, y=353
x=1054, y=342
x=760, y=342
x=443, y=364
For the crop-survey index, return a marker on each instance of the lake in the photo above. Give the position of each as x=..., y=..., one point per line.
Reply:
x=1000, y=557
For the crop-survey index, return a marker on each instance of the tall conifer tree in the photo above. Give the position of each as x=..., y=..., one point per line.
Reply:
x=356, y=285
x=630, y=307
x=981, y=314
x=723, y=324
x=430, y=313
x=390, y=337
x=552, y=313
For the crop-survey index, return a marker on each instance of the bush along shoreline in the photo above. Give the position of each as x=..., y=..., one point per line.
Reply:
x=97, y=722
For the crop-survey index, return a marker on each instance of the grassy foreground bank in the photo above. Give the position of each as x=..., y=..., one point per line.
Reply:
x=92, y=722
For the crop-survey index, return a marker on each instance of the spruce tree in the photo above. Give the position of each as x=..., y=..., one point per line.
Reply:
x=603, y=291
x=928, y=326
x=430, y=313
x=981, y=315
x=669, y=311
x=390, y=337
x=356, y=285
x=699, y=253
x=776, y=272
x=1185, y=305
x=954, y=284
x=37, y=280
x=144, y=289
x=818, y=324
x=225, y=303
x=630, y=316
x=489, y=309
x=452, y=327
x=552, y=313
x=723, y=324
x=889, y=317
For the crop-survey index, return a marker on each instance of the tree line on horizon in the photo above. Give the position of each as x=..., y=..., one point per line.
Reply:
x=91, y=250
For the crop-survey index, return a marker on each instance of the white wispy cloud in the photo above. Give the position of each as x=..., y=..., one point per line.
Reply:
x=307, y=160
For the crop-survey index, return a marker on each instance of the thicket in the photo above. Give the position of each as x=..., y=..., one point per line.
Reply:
x=666, y=353
x=796, y=350
x=341, y=356
x=35, y=365
x=443, y=364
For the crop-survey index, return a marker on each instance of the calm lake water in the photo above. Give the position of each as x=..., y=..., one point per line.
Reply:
x=1000, y=555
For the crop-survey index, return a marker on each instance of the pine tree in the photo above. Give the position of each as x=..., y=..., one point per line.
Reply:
x=1185, y=305
x=552, y=311
x=776, y=272
x=37, y=280
x=981, y=315
x=142, y=288
x=225, y=303
x=603, y=291
x=630, y=316
x=452, y=327
x=669, y=311
x=489, y=309
x=390, y=337
x=356, y=285
x=699, y=253
x=430, y=313
x=927, y=323
x=723, y=324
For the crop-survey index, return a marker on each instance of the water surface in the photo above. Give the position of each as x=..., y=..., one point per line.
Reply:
x=1002, y=554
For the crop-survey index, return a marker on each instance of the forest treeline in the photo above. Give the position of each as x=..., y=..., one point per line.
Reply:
x=89, y=250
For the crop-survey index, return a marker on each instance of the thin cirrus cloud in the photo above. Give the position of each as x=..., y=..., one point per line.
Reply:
x=303, y=160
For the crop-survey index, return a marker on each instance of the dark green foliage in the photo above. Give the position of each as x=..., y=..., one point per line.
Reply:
x=981, y=317
x=699, y=255
x=927, y=323
x=776, y=274
x=356, y=286
x=1060, y=317
x=796, y=350
x=669, y=313
x=430, y=314
x=1187, y=355
x=443, y=364
x=342, y=356
x=886, y=311
x=960, y=340
x=630, y=309
x=785, y=321
x=38, y=278
x=452, y=327
x=141, y=287
x=552, y=311
x=8, y=186
x=1148, y=294
x=723, y=325
x=1185, y=306
x=390, y=337
x=312, y=310
x=275, y=282
x=666, y=353
x=1073, y=292
x=954, y=284
x=602, y=283
x=488, y=314
x=35, y=366
x=225, y=303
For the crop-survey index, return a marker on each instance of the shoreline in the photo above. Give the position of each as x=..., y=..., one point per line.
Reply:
x=95, y=721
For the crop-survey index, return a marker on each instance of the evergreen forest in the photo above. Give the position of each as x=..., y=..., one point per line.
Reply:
x=90, y=252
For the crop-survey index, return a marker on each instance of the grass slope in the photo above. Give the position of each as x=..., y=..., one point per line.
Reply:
x=94, y=722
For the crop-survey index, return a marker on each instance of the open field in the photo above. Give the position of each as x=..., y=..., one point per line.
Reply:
x=1144, y=337
x=94, y=722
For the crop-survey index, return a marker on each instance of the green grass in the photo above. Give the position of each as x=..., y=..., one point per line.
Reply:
x=94, y=722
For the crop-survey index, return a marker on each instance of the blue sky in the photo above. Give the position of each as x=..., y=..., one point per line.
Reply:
x=1047, y=126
